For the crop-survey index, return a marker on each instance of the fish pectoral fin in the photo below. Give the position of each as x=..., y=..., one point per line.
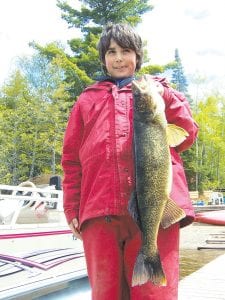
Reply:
x=172, y=214
x=175, y=135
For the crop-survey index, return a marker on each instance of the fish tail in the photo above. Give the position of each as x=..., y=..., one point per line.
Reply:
x=148, y=269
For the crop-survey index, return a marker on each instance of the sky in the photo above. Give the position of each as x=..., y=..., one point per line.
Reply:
x=194, y=27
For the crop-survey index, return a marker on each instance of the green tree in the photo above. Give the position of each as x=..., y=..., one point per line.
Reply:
x=210, y=146
x=178, y=77
x=45, y=78
x=96, y=13
x=33, y=114
x=75, y=78
x=15, y=128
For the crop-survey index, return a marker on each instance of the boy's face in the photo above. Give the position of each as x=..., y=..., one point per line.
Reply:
x=120, y=62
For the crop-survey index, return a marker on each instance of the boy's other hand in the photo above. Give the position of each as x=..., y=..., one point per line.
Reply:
x=74, y=226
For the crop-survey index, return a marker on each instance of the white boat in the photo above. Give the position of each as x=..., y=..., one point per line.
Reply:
x=37, y=248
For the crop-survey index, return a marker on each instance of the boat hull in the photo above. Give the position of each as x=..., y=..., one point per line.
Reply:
x=38, y=252
x=211, y=217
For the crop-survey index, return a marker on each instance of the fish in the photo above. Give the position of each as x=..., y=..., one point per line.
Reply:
x=150, y=204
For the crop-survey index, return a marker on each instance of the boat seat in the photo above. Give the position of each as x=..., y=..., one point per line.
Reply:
x=9, y=213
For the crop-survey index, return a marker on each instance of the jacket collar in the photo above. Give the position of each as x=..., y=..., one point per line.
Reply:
x=121, y=82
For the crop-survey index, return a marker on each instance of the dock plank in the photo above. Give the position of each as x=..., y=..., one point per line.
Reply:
x=206, y=283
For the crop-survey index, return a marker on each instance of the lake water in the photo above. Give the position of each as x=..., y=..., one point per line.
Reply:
x=191, y=260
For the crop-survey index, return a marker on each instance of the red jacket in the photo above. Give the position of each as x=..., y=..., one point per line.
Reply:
x=97, y=152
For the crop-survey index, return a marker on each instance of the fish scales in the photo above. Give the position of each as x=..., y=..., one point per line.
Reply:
x=153, y=179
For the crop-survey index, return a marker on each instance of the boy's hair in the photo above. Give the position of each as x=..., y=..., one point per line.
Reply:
x=125, y=36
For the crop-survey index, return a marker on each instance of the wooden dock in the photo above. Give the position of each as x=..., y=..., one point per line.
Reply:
x=208, y=283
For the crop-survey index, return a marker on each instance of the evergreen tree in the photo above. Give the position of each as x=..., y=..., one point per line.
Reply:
x=96, y=13
x=83, y=66
x=178, y=77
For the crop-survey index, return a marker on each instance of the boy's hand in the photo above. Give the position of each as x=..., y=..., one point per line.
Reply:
x=74, y=225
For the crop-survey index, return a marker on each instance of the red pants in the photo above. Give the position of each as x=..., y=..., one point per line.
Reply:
x=111, y=245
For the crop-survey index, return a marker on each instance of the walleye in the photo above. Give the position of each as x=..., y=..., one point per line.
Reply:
x=150, y=204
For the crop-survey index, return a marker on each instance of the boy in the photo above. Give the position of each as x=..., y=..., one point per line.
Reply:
x=98, y=167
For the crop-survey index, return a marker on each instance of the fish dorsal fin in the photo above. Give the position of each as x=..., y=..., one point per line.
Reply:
x=175, y=135
x=172, y=214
